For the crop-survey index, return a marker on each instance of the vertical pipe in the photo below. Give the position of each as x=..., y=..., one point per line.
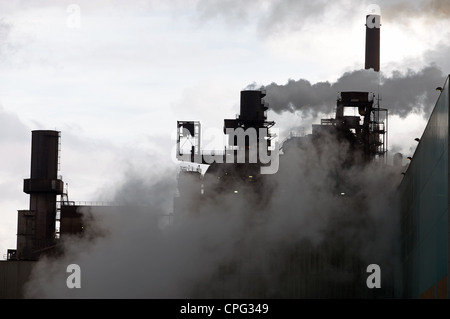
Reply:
x=373, y=42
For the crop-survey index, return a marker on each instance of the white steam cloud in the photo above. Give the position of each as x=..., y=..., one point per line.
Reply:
x=309, y=232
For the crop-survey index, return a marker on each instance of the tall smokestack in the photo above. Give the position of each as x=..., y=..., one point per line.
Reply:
x=36, y=226
x=373, y=38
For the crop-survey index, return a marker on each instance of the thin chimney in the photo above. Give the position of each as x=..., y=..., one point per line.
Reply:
x=373, y=41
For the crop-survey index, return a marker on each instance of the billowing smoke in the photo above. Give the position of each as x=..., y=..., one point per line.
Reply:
x=276, y=16
x=429, y=10
x=308, y=231
x=401, y=93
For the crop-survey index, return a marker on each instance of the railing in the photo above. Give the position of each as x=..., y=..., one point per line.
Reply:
x=214, y=152
x=59, y=152
x=91, y=203
x=108, y=204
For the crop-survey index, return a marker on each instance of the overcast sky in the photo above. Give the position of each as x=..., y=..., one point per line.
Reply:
x=115, y=76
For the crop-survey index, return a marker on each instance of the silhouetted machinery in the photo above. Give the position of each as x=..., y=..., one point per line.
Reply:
x=360, y=123
x=237, y=166
x=246, y=134
x=36, y=233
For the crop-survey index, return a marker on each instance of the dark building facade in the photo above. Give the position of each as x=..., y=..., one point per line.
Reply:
x=424, y=196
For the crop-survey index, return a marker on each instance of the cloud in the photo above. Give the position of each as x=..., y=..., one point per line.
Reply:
x=14, y=142
x=4, y=34
x=438, y=56
x=269, y=16
x=274, y=16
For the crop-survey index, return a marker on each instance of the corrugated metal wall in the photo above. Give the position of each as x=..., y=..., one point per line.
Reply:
x=13, y=275
x=424, y=195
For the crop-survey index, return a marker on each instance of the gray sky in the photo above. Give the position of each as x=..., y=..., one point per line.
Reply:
x=115, y=76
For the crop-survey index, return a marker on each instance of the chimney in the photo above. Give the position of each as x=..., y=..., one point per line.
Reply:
x=36, y=226
x=373, y=38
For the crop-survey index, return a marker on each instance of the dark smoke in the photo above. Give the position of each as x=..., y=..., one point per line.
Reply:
x=407, y=12
x=401, y=93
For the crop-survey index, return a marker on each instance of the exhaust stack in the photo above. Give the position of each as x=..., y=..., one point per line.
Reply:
x=373, y=39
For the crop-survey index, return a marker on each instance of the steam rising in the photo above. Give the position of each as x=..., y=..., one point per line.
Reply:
x=293, y=245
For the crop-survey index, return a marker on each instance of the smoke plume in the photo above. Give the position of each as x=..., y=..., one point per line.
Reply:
x=401, y=93
x=429, y=10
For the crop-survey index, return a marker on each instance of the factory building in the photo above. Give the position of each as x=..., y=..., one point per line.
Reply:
x=235, y=167
x=51, y=216
x=423, y=194
x=334, y=268
x=305, y=270
x=36, y=226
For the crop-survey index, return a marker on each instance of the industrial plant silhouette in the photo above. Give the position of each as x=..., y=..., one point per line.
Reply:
x=343, y=206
